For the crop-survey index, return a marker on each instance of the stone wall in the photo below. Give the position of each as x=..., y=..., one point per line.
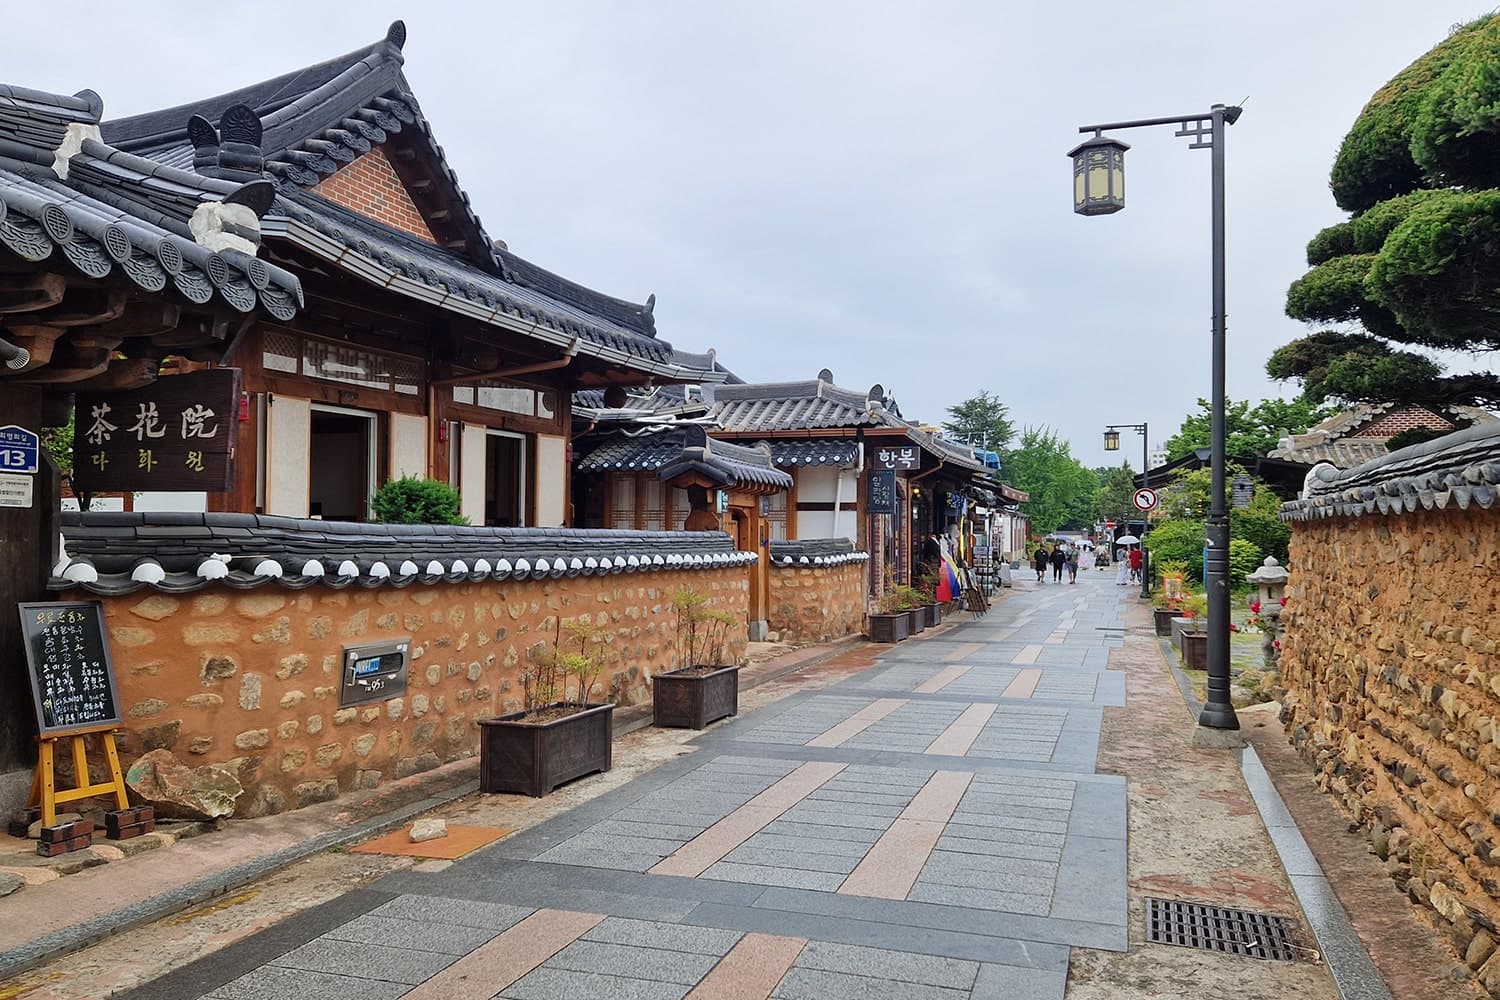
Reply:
x=251, y=679
x=810, y=604
x=1393, y=694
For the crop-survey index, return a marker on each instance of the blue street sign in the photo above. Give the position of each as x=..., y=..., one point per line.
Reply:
x=18, y=449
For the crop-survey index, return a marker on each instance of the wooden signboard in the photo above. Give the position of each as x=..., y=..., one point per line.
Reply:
x=905, y=457
x=72, y=680
x=882, y=495
x=176, y=434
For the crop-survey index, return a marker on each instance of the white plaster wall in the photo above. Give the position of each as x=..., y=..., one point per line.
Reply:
x=551, y=475
x=288, y=437
x=816, y=484
x=471, y=486
x=408, y=445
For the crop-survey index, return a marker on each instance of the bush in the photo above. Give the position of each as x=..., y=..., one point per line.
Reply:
x=412, y=500
x=1244, y=559
x=1178, y=541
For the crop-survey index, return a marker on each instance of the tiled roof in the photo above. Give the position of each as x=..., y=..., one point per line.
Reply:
x=815, y=552
x=780, y=406
x=117, y=553
x=842, y=452
x=1460, y=469
x=1339, y=441
x=669, y=450
x=110, y=212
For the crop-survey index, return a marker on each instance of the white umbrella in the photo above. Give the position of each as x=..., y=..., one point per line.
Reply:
x=1127, y=540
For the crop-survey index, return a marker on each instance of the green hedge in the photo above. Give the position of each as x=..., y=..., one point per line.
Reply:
x=413, y=500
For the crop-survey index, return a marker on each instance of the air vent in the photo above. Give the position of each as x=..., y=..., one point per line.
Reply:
x=1212, y=928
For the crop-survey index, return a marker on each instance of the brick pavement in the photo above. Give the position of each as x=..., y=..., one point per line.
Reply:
x=933, y=827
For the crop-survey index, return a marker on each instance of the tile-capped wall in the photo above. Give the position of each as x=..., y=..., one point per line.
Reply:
x=817, y=603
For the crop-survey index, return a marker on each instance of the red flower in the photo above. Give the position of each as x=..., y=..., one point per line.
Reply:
x=1283, y=602
x=1277, y=644
x=1255, y=606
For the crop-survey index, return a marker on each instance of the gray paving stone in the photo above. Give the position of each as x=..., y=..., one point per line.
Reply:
x=979, y=899
x=271, y=983
x=367, y=961
x=681, y=832
x=813, y=984
x=566, y=984
x=812, y=845
x=1006, y=982
x=656, y=934
x=1021, y=867
x=568, y=853
x=998, y=848
x=903, y=966
x=654, y=964
x=990, y=831
x=440, y=909
x=819, y=831
x=790, y=878
x=751, y=853
x=419, y=935
x=836, y=820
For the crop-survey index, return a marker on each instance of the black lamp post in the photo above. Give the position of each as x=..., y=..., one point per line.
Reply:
x=1112, y=443
x=1099, y=189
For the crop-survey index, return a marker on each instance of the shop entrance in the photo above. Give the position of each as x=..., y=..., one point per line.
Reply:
x=341, y=460
x=504, y=479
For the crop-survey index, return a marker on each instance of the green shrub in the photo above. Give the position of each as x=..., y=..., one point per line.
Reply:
x=412, y=500
x=1335, y=241
x=1178, y=541
x=1244, y=559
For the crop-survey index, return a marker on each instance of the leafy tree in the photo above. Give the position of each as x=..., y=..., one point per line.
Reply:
x=413, y=500
x=1186, y=498
x=1418, y=264
x=1178, y=540
x=1248, y=430
x=1062, y=490
x=1113, y=497
x=982, y=420
x=1244, y=557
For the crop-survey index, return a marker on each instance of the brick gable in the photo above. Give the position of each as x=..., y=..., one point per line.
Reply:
x=370, y=187
x=1408, y=418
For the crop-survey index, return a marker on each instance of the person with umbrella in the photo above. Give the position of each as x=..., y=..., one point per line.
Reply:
x=1122, y=568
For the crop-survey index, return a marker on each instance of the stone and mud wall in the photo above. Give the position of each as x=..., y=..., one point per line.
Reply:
x=811, y=604
x=250, y=679
x=1392, y=693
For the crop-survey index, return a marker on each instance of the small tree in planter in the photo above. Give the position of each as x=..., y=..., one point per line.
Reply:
x=703, y=688
x=927, y=583
x=889, y=623
x=914, y=603
x=556, y=737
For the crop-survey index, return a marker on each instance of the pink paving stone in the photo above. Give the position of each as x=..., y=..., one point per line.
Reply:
x=703, y=851
x=751, y=970
x=508, y=957
x=956, y=740
x=942, y=679
x=1024, y=685
x=941, y=795
x=891, y=867
x=1028, y=654
x=962, y=652
x=856, y=723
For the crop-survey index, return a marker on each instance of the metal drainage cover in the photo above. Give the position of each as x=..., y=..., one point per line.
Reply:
x=1234, y=932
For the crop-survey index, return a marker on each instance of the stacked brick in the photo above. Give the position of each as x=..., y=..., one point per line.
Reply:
x=370, y=187
x=1393, y=694
x=810, y=604
x=251, y=680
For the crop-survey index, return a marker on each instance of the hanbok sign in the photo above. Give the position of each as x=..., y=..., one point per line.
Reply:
x=176, y=434
x=903, y=458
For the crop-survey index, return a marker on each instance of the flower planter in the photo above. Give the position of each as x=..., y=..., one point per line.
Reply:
x=1195, y=650
x=916, y=620
x=1181, y=625
x=533, y=758
x=691, y=701
x=1164, y=618
x=888, y=628
x=934, y=614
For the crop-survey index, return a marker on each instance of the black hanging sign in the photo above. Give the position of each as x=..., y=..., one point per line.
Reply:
x=178, y=433
x=882, y=494
x=72, y=681
x=904, y=457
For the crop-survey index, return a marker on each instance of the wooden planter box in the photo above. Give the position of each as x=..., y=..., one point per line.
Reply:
x=1195, y=650
x=1164, y=618
x=916, y=620
x=1181, y=625
x=532, y=758
x=934, y=614
x=686, y=701
x=888, y=628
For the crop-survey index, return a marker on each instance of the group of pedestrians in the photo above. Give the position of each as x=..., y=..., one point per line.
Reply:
x=1062, y=556
x=1128, y=566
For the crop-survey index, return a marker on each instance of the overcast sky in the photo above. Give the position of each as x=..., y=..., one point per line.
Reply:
x=877, y=188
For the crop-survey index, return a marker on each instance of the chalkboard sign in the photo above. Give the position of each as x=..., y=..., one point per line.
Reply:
x=882, y=498
x=72, y=680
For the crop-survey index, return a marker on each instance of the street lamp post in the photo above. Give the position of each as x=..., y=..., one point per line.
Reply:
x=1112, y=443
x=1099, y=189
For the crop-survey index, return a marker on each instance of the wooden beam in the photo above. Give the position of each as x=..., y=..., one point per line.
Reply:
x=84, y=307
x=143, y=318
x=129, y=373
x=30, y=291
x=39, y=340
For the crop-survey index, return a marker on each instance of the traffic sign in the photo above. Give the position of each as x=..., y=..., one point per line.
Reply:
x=1145, y=499
x=18, y=449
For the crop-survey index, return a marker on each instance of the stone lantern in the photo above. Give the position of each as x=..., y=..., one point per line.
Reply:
x=1271, y=579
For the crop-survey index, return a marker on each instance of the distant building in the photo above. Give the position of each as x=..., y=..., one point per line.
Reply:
x=1358, y=435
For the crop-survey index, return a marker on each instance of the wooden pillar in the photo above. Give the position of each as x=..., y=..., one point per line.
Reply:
x=27, y=544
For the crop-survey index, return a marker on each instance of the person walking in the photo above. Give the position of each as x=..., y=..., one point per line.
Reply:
x=1137, y=559
x=1058, y=559
x=1086, y=559
x=1072, y=563
x=1122, y=568
x=1039, y=560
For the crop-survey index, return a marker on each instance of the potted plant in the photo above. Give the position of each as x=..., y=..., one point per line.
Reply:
x=1193, y=639
x=888, y=623
x=1167, y=601
x=556, y=738
x=928, y=584
x=914, y=603
x=703, y=688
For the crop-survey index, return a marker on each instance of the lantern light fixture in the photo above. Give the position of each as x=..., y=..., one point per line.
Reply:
x=1111, y=440
x=1099, y=175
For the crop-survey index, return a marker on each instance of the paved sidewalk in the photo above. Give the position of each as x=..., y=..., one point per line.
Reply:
x=932, y=827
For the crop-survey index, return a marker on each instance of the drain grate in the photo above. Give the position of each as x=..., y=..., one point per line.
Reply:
x=1234, y=932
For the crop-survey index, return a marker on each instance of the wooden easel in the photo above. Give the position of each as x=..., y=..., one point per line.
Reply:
x=44, y=784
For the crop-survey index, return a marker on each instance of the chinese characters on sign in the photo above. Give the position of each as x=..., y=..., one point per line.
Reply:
x=72, y=682
x=176, y=434
x=907, y=458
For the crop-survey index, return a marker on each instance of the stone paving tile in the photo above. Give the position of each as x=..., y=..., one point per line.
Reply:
x=367, y=961
x=462, y=912
x=418, y=935
x=809, y=860
x=654, y=964
x=788, y=878
x=980, y=899
x=272, y=983
x=669, y=937
x=814, y=984
x=902, y=966
x=568, y=984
